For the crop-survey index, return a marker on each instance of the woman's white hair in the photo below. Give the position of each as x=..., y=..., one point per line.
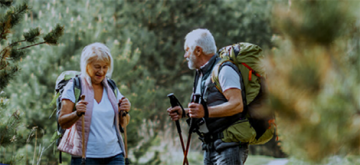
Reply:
x=202, y=38
x=95, y=51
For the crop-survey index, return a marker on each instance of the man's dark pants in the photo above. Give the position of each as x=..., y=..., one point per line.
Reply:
x=230, y=156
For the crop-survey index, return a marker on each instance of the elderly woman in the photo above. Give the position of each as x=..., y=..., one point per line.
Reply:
x=103, y=141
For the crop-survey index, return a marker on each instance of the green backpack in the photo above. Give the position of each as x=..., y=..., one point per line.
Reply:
x=259, y=127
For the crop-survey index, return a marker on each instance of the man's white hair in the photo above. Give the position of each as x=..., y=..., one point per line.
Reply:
x=202, y=38
x=97, y=51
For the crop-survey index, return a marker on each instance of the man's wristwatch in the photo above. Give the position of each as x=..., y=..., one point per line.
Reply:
x=79, y=114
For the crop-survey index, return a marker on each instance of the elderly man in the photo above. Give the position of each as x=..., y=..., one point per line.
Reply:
x=218, y=109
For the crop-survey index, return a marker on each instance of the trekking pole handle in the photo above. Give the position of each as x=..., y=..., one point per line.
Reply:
x=196, y=98
x=174, y=102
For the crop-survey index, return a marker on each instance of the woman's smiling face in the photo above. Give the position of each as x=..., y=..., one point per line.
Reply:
x=97, y=71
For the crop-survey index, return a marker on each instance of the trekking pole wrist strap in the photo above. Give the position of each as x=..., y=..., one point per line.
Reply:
x=183, y=113
x=206, y=111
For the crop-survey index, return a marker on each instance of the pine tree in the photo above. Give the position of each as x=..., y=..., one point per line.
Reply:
x=12, y=50
x=314, y=77
x=11, y=53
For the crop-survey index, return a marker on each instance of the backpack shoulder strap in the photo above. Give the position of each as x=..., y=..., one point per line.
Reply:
x=215, y=79
x=112, y=85
x=217, y=69
x=77, y=88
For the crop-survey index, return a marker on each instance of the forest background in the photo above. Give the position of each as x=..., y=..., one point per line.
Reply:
x=312, y=62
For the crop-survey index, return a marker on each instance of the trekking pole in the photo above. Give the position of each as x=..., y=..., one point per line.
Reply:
x=123, y=115
x=175, y=102
x=83, y=158
x=196, y=99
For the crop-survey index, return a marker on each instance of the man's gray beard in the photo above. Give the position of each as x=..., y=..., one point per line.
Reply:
x=191, y=65
x=191, y=62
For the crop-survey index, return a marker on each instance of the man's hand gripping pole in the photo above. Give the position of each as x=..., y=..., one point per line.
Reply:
x=196, y=99
x=175, y=102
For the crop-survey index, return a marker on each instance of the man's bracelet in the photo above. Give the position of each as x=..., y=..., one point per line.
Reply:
x=206, y=111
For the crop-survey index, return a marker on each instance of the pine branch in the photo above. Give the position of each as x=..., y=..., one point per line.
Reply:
x=16, y=14
x=6, y=75
x=11, y=124
x=54, y=35
x=3, y=57
x=5, y=29
x=32, y=45
x=3, y=65
x=15, y=43
x=32, y=35
x=12, y=44
x=12, y=18
x=6, y=3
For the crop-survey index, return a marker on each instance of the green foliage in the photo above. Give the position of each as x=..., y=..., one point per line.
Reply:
x=313, y=80
x=146, y=42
